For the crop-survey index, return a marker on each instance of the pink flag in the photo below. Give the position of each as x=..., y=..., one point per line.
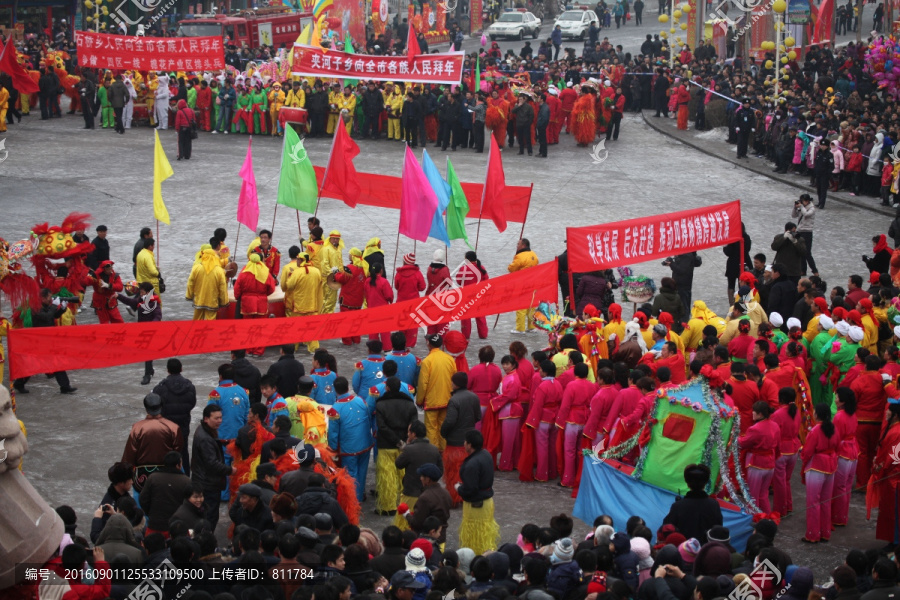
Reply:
x=248, y=201
x=418, y=202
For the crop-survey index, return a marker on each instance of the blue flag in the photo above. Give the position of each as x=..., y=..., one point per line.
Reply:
x=442, y=190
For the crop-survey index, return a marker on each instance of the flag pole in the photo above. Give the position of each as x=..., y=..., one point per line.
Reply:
x=236, y=240
x=481, y=210
x=316, y=213
x=299, y=229
x=527, y=206
x=396, y=250
x=275, y=214
x=157, y=244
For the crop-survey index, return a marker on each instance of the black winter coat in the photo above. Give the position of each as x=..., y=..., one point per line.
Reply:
x=317, y=499
x=208, y=467
x=782, y=297
x=188, y=514
x=590, y=290
x=178, y=400
x=394, y=412
x=372, y=103
x=162, y=495
x=288, y=370
x=476, y=475
x=694, y=515
x=247, y=376
x=463, y=412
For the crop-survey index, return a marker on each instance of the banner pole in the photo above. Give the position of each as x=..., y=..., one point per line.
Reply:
x=157, y=244
x=396, y=250
x=275, y=214
x=316, y=213
x=299, y=229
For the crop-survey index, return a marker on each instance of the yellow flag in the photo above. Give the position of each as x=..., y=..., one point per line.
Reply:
x=162, y=170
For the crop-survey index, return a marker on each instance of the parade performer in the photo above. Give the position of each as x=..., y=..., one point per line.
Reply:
x=409, y=283
x=787, y=417
x=845, y=424
x=245, y=450
x=762, y=447
x=884, y=488
x=352, y=279
x=567, y=98
x=204, y=106
x=314, y=246
x=350, y=434
x=285, y=276
x=505, y=404
x=871, y=397
x=496, y=117
x=378, y=292
x=147, y=306
x=107, y=285
x=332, y=262
x=262, y=246
x=393, y=103
x=407, y=362
x=207, y=288
x=276, y=101
x=323, y=378
x=305, y=289
x=161, y=101
x=252, y=289
x=584, y=117
x=146, y=269
x=819, y=456
x=373, y=253
x=556, y=115
x=107, y=118
x=369, y=371
x=259, y=106
x=682, y=98
x=333, y=110
x=346, y=102
x=572, y=416
x=434, y=388
x=478, y=530
x=472, y=272
x=296, y=97
x=243, y=113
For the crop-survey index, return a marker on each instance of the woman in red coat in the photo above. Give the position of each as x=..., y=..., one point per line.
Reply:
x=378, y=292
x=252, y=289
x=787, y=417
x=438, y=278
x=819, y=457
x=508, y=410
x=353, y=281
x=845, y=424
x=761, y=447
x=409, y=283
x=470, y=273
x=886, y=484
x=184, y=119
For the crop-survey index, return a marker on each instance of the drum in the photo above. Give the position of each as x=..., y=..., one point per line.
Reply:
x=276, y=305
x=332, y=284
x=289, y=114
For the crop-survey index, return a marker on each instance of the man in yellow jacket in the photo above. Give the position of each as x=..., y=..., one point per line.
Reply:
x=346, y=101
x=285, y=276
x=332, y=261
x=206, y=286
x=393, y=103
x=305, y=290
x=146, y=269
x=435, y=388
x=524, y=258
x=334, y=112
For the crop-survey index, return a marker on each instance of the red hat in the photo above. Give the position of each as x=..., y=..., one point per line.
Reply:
x=409, y=259
x=423, y=545
x=874, y=277
x=666, y=319
x=822, y=304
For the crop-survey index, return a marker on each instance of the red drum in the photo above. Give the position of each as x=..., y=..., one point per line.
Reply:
x=292, y=115
x=276, y=305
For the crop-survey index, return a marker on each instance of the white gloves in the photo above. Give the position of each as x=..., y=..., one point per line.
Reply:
x=334, y=270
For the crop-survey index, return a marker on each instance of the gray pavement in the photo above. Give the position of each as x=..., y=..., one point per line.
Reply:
x=54, y=168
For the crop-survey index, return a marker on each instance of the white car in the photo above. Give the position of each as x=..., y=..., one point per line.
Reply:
x=515, y=25
x=575, y=23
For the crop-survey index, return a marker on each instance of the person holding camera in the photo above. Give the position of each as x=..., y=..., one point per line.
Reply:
x=790, y=252
x=805, y=213
x=683, y=267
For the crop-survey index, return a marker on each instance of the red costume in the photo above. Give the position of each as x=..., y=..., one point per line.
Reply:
x=204, y=105
x=567, y=99
x=105, y=300
x=556, y=119
x=253, y=296
x=885, y=490
x=870, y=401
x=744, y=393
x=584, y=120
x=352, y=293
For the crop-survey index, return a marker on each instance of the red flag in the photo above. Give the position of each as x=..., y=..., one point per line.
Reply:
x=412, y=44
x=340, y=179
x=824, y=21
x=494, y=184
x=9, y=65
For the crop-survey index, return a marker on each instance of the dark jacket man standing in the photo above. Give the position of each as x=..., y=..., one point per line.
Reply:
x=288, y=370
x=164, y=493
x=208, y=468
x=178, y=400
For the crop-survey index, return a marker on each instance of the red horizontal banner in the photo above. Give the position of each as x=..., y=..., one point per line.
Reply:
x=124, y=52
x=46, y=350
x=648, y=238
x=310, y=61
x=384, y=191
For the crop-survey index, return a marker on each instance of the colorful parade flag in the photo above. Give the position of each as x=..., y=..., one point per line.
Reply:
x=348, y=48
x=297, y=185
x=442, y=191
x=457, y=209
x=494, y=184
x=248, y=201
x=162, y=170
x=418, y=201
x=340, y=179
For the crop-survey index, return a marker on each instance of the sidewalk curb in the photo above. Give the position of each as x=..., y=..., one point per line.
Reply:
x=841, y=197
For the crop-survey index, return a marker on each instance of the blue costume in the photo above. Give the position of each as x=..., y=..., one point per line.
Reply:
x=376, y=391
x=368, y=373
x=350, y=435
x=324, y=392
x=277, y=407
x=235, y=405
x=407, y=365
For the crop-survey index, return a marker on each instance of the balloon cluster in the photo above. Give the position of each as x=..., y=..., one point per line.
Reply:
x=680, y=10
x=883, y=63
x=786, y=47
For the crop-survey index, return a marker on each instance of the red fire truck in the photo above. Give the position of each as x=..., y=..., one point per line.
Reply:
x=269, y=26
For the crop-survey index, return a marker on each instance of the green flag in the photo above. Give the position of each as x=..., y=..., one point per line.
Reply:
x=348, y=48
x=477, y=76
x=458, y=208
x=297, y=187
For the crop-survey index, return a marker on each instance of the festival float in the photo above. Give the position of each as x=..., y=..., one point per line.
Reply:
x=690, y=423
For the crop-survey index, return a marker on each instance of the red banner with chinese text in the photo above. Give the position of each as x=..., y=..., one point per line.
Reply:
x=50, y=349
x=426, y=68
x=384, y=191
x=648, y=238
x=126, y=52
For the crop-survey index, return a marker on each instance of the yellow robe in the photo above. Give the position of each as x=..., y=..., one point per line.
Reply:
x=207, y=291
x=305, y=289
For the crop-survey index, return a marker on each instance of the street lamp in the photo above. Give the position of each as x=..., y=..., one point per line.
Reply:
x=779, y=7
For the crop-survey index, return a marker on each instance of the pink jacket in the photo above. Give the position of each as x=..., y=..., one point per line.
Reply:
x=576, y=402
x=845, y=429
x=484, y=379
x=798, y=150
x=790, y=430
x=503, y=401
x=545, y=403
x=761, y=442
x=838, y=158
x=605, y=407
x=820, y=453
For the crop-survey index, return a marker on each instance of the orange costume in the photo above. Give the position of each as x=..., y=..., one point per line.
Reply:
x=496, y=118
x=682, y=98
x=584, y=120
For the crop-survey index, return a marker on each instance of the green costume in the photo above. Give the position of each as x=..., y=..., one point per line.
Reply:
x=259, y=104
x=779, y=337
x=107, y=116
x=818, y=351
x=214, y=109
x=192, y=98
x=243, y=103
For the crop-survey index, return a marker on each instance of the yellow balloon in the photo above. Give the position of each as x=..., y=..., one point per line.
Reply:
x=784, y=60
x=89, y=19
x=779, y=6
x=676, y=13
x=789, y=41
x=686, y=7
x=105, y=11
x=683, y=26
x=664, y=18
x=785, y=77
x=779, y=26
x=769, y=64
x=664, y=34
x=88, y=4
x=672, y=30
x=792, y=55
